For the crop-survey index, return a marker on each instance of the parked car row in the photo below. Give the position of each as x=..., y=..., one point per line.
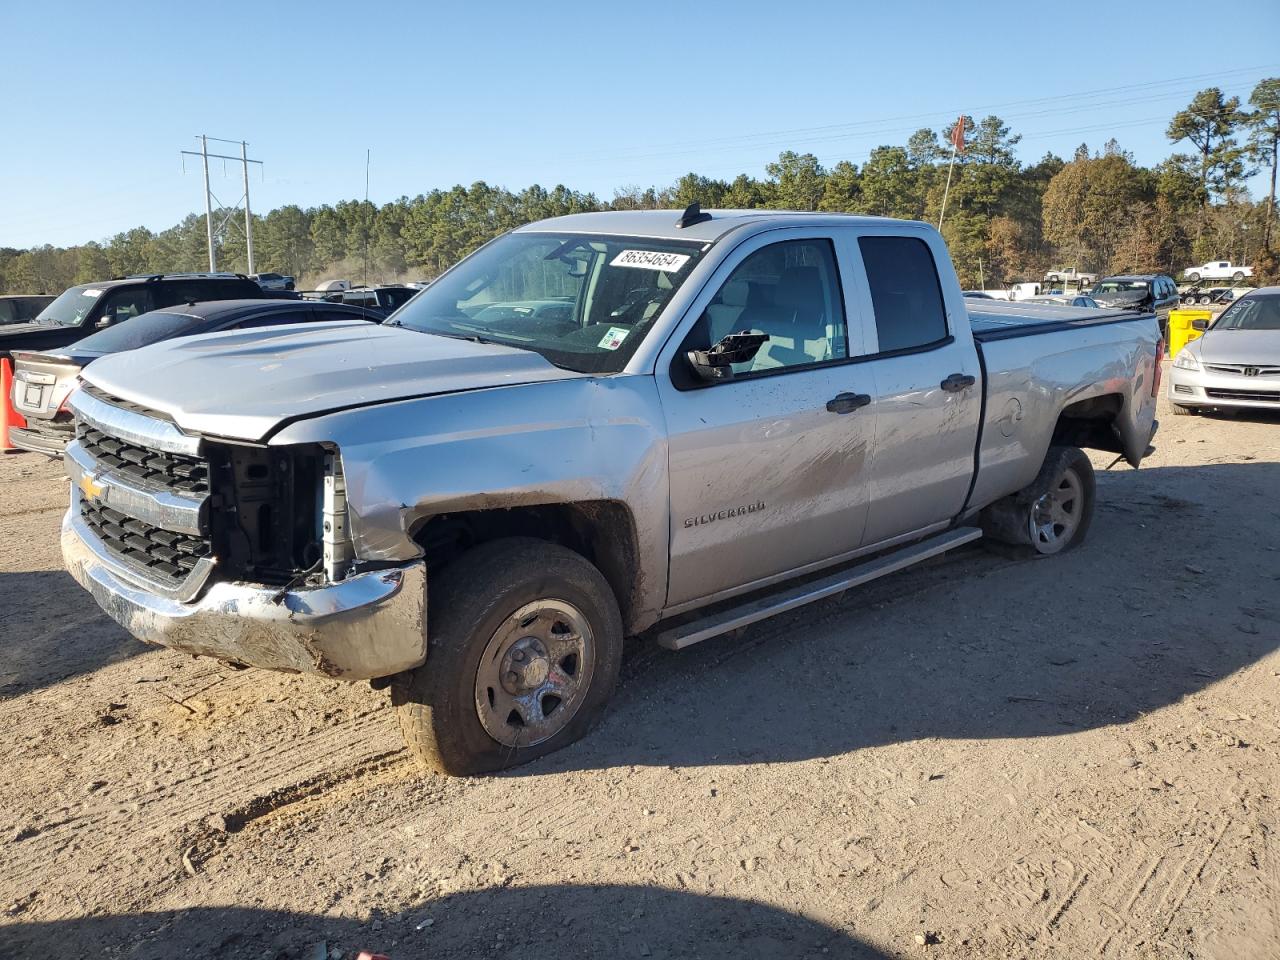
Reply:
x=44, y=380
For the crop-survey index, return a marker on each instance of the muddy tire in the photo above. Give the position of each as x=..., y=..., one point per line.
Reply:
x=1051, y=515
x=524, y=648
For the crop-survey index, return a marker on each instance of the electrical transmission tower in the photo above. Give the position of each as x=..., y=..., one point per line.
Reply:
x=210, y=198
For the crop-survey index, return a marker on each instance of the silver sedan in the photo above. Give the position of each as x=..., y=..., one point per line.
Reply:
x=1236, y=363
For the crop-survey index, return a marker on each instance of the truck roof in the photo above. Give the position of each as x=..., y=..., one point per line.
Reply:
x=664, y=224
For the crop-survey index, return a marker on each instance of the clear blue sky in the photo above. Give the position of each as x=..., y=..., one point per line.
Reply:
x=100, y=97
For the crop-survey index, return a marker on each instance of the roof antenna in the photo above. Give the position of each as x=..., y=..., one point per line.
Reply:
x=692, y=214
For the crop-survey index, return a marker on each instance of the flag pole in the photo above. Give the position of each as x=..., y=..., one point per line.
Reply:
x=947, y=189
x=957, y=140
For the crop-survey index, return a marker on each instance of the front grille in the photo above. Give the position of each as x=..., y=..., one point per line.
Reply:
x=1238, y=369
x=1260, y=396
x=163, y=554
x=150, y=467
x=123, y=404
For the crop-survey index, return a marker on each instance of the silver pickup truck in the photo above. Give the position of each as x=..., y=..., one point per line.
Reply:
x=598, y=426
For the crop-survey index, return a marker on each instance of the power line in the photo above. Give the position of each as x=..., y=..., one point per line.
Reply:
x=210, y=231
x=774, y=134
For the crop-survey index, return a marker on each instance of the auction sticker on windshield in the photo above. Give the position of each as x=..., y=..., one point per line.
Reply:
x=613, y=339
x=650, y=260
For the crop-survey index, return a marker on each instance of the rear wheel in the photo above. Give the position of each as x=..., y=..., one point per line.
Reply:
x=525, y=644
x=1205, y=300
x=1238, y=276
x=1052, y=514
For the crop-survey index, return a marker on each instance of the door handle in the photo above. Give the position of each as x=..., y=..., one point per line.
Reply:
x=957, y=382
x=848, y=402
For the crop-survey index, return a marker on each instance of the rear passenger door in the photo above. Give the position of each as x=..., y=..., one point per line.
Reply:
x=768, y=470
x=927, y=386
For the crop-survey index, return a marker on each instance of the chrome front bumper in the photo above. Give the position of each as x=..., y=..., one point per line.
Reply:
x=1207, y=388
x=368, y=625
x=39, y=441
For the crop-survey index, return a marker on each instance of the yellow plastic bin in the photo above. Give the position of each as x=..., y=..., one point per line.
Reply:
x=1180, y=330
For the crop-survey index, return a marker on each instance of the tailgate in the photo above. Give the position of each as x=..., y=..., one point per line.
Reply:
x=41, y=382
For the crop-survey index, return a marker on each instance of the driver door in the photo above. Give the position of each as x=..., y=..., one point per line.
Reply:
x=768, y=469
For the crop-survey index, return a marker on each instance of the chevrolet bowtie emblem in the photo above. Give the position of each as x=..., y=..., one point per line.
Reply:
x=91, y=488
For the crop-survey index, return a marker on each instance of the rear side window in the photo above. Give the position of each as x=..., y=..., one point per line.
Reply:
x=905, y=292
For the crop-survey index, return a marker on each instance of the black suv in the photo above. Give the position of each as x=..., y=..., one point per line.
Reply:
x=88, y=307
x=1151, y=292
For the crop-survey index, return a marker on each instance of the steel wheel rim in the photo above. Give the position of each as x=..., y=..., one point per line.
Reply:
x=1056, y=515
x=534, y=673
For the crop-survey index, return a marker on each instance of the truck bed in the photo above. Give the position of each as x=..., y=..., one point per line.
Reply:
x=1029, y=382
x=998, y=320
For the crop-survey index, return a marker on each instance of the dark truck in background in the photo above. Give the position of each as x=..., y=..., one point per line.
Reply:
x=22, y=307
x=88, y=307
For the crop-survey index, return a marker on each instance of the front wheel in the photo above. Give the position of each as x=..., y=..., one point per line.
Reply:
x=1180, y=411
x=1052, y=514
x=525, y=644
x=1193, y=277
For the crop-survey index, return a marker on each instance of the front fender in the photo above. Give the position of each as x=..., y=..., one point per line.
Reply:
x=567, y=441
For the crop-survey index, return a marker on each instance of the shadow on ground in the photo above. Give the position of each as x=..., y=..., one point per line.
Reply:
x=1161, y=602
x=51, y=629
x=529, y=923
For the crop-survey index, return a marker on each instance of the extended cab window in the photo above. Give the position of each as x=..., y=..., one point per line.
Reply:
x=790, y=291
x=905, y=292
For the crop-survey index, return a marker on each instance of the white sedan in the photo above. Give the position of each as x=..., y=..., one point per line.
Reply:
x=1236, y=363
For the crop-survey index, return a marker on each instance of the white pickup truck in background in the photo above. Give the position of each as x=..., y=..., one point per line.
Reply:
x=1217, y=270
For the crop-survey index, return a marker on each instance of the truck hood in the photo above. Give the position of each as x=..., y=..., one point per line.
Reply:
x=244, y=384
x=1260, y=347
x=18, y=330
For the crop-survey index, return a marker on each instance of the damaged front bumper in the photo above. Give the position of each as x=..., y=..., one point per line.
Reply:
x=368, y=625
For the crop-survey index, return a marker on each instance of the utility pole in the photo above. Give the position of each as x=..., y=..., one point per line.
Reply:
x=248, y=215
x=211, y=231
x=208, y=204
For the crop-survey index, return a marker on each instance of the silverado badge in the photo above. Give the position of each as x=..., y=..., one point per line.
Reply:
x=722, y=514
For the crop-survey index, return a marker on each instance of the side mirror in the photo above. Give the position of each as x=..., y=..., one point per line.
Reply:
x=1199, y=324
x=106, y=320
x=717, y=363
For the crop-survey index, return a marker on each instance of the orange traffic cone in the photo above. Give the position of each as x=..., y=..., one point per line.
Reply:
x=8, y=416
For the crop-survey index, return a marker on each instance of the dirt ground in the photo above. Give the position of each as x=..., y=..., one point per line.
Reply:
x=1075, y=757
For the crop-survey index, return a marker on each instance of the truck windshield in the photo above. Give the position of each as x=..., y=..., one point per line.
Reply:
x=1251, y=313
x=584, y=302
x=1119, y=286
x=70, y=308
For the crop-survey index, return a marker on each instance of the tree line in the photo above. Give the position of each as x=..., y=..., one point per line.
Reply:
x=1005, y=221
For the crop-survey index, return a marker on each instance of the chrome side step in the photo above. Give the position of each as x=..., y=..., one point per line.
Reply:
x=687, y=634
